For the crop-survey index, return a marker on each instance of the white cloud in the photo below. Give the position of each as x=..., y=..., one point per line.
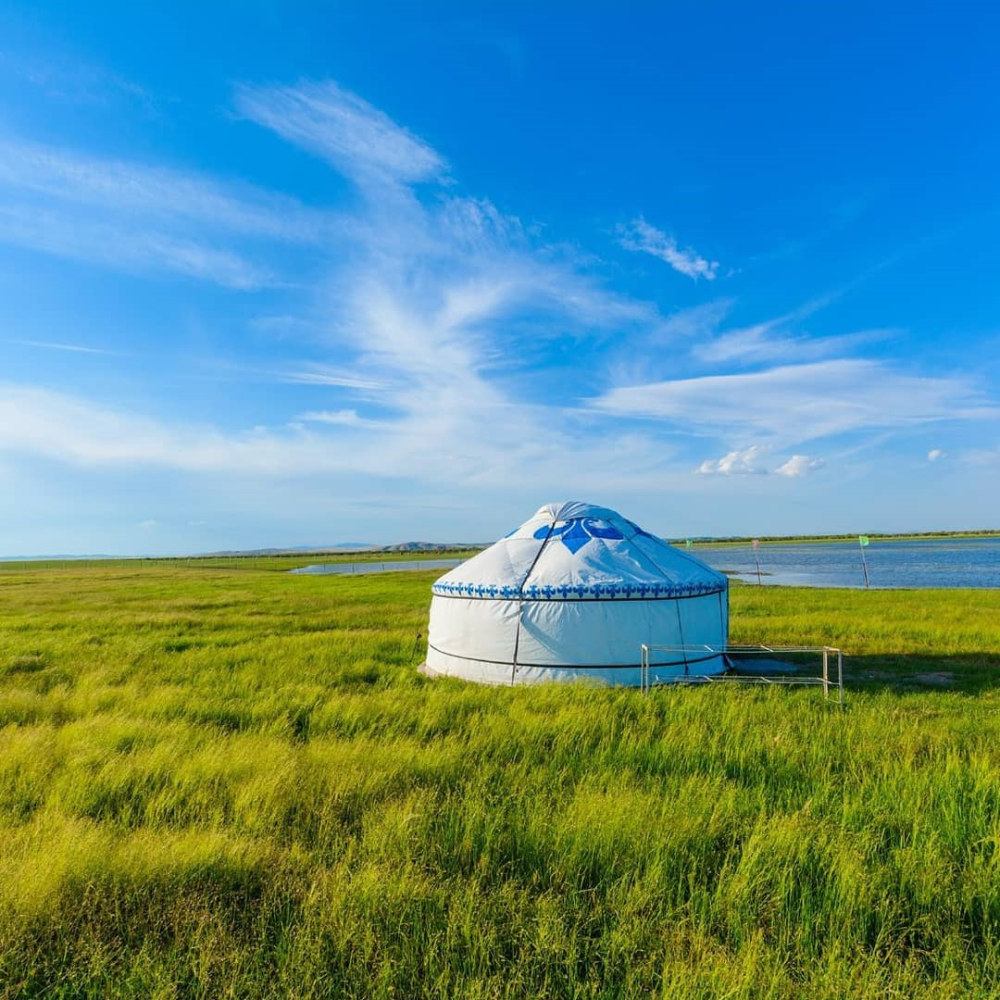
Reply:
x=936, y=453
x=139, y=218
x=796, y=403
x=125, y=188
x=735, y=463
x=147, y=525
x=65, y=428
x=768, y=341
x=424, y=312
x=72, y=348
x=333, y=375
x=69, y=79
x=443, y=301
x=774, y=339
x=763, y=342
x=129, y=249
x=753, y=461
x=340, y=418
x=800, y=465
x=357, y=138
x=695, y=322
x=641, y=237
x=433, y=441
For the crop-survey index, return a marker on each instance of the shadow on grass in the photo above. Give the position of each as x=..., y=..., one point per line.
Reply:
x=967, y=673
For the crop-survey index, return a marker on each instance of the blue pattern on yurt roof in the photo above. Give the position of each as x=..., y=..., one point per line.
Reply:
x=576, y=532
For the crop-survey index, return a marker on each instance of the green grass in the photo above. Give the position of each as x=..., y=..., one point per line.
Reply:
x=280, y=562
x=220, y=783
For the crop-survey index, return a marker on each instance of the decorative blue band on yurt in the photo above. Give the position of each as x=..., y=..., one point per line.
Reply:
x=575, y=591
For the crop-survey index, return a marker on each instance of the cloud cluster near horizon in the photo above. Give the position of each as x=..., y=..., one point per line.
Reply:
x=754, y=461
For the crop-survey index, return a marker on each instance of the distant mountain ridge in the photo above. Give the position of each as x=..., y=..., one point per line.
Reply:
x=294, y=549
x=432, y=546
x=349, y=547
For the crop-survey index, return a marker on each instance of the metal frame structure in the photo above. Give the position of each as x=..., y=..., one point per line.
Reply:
x=732, y=675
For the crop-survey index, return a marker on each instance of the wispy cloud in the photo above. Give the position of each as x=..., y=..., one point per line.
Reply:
x=68, y=78
x=444, y=299
x=136, y=250
x=796, y=403
x=358, y=139
x=126, y=188
x=640, y=236
x=936, y=454
x=779, y=338
x=436, y=448
x=141, y=218
x=425, y=323
x=423, y=315
x=74, y=348
x=694, y=323
x=332, y=375
x=766, y=342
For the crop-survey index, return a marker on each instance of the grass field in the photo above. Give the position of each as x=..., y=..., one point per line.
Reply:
x=235, y=783
x=275, y=563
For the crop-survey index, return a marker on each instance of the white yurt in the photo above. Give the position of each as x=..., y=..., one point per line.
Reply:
x=572, y=594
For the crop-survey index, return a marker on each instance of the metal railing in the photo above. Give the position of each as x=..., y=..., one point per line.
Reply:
x=787, y=672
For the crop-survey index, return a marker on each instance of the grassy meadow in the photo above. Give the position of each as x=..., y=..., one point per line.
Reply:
x=219, y=782
x=277, y=562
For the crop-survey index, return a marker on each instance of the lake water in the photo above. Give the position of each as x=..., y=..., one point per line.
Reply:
x=950, y=562
x=371, y=566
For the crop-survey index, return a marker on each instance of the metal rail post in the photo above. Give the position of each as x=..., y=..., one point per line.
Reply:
x=823, y=652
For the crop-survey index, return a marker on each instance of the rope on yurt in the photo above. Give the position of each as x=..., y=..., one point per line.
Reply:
x=726, y=659
x=660, y=570
x=680, y=629
x=520, y=599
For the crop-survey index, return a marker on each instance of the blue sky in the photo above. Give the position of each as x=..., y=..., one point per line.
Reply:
x=275, y=275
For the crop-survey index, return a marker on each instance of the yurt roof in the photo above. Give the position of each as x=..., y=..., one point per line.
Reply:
x=577, y=551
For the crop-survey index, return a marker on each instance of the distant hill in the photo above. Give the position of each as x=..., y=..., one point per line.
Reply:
x=431, y=546
x=99, y=555
x=291, y=549
x=346, y=547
